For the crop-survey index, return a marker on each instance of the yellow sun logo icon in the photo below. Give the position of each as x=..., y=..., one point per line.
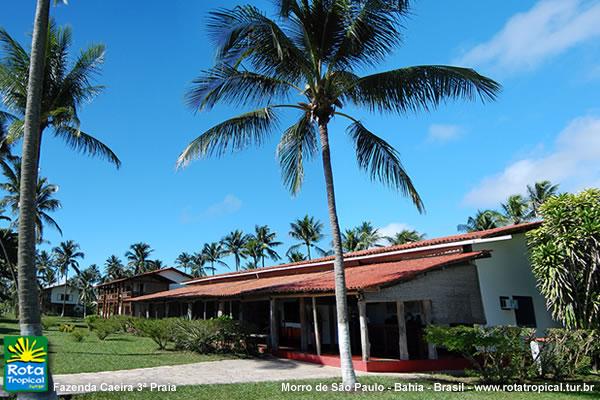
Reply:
x=25, y=351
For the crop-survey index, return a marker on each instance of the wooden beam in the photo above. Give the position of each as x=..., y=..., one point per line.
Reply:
x=401, y=330
x=303, y=327
x=364, y=330
x=273, y=325
x=316, y=322
x=426, y=311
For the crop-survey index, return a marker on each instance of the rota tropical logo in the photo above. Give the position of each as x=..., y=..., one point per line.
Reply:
x=26, y=367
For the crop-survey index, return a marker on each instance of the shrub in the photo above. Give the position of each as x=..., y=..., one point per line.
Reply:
x=498, y=354
x=66, y=328
x=49, y=322
x=105, y=327
x=91, y=320
x=220, y=335
x=159, y=330
x=567, y=353
x=78, y=335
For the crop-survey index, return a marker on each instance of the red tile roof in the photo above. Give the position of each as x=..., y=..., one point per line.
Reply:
x=357, y=278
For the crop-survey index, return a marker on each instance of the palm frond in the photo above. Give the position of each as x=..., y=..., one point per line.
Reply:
x=237, y=133
x=420, y=88
x=225, y=83
x=48, y=220
x=77, y=85
x=84, y=143
x=382, y=162
x=298, y=143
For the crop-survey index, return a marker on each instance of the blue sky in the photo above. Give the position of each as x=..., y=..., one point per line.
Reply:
x=464, y=156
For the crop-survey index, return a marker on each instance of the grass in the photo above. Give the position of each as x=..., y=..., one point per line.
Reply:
x=273, y=391
x=118, y=351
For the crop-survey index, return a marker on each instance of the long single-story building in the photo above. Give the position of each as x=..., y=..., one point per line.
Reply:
x=393, y=294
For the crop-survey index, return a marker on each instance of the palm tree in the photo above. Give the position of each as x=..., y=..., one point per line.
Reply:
x=318, y=49
x=516, y=209
x=114, y=268
x=405, y=236
x=184, y=261
x=85, y=282
x=44, y=201
x=212, y=253
x=538, y=194
x=483, y=219
x=369, y=235
x=266, y=238
x=233, y=244
x=295, y=256
x=154, y=265
x=255, y=250
x=138, y=257
x=309, y=231
x=46, y=268
x=350, y=241
x=197, y=266
x=67, y=255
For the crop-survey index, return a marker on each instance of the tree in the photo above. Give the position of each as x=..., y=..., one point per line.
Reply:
x=44, y=201
x=368, y=235
x=539, y=193
x=46, y=269
x=295, y=256
x=405, y=236
x=138, y=257
x=483, y=219
x=516, y=209
x=318, y=49
x=565, y=258
x=255, y=250
x=309, y=231
x=67, y=255
x=233, y=244
x=197, y=269
x=350, y=241
x=184, y=261
x=154, y=265
x=266, y=238
x=114, y=268
x=212, y=253
x=85, y=282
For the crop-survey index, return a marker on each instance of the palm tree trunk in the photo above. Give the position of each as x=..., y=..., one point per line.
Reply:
x=62, y=314
x=308, y=250
x=29, y=308
x=348, y=375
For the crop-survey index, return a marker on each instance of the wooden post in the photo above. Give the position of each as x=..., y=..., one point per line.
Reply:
x=273, y=325
x=189, y=310
x=303, y=327
x=402, y=330
x=204, y=314
x=316, y=322
x=364, y=330
x=426, y=306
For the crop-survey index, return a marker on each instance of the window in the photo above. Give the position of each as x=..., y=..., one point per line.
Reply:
x=65, y=297
x=525, y=313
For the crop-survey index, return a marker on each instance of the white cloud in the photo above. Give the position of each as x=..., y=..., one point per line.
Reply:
x=549, y=28
x=229, y=205
x=443, y=132
x=573, y=163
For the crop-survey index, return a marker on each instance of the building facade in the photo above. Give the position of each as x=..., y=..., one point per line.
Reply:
x=53, y=296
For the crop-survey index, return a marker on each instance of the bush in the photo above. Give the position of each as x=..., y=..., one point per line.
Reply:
x=78, y=335
x=49, y=322
x=219, y=335
x=568, y=353
x=66, y=328
x=91, y=320
x=159, y=330
x=498, y=354
x=105, y=327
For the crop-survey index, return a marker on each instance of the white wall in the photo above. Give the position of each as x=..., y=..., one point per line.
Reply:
x=58, y=291
x=508, y=273
x=174, y=276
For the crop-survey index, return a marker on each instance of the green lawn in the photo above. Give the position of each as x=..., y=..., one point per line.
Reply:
x=273, y=391
x=119, y=351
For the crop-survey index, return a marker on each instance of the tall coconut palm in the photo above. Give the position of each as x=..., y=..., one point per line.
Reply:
x=184, y=261
x=44, y=201
x=198, y=268
x=295, y=256
x=138, y=257
x=483, y=219
x=404, y=236
x=46, y=268
x=368, y=235
x=351, y=241
x=318, y=49
x=233, y=244
x=516, y=209
x=114, y=268
x=213, y=253
x=254, y=250
x=154, y=265
x=309, y=231
x=266, y=238
x=67, y=257
x=85, y=282
x=539, y=193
